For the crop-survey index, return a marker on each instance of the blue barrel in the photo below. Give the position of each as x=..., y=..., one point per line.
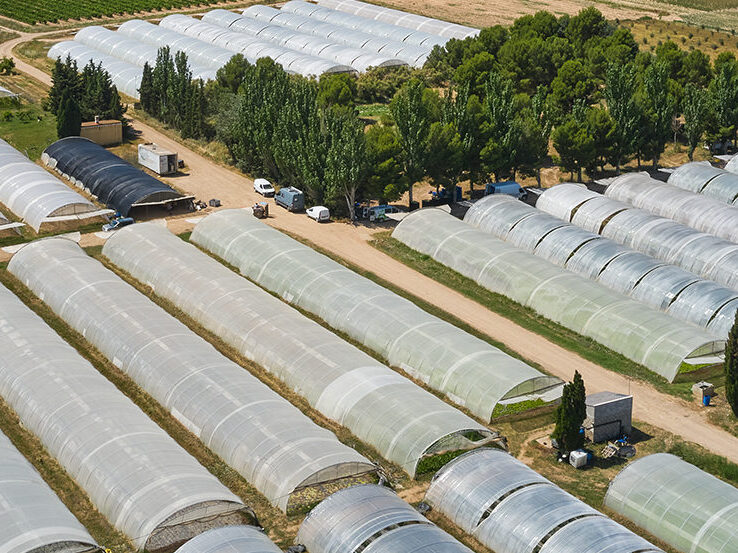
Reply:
x=706, y=401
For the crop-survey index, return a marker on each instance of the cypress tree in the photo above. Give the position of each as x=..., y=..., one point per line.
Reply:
x=65, y=77
x=69, y=118
x=146, y=92
x=731, y=368
x=570, y=415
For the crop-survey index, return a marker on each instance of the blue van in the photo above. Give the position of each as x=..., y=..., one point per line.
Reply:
x=511, y=188
x=290, y=198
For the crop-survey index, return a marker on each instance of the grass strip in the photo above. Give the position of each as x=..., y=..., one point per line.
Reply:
x=62, y=483
x=525, y=317
x=281, y=528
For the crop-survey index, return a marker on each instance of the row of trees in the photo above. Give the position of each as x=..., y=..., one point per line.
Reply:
x=273, y=124
x=168, y=93
x=578, y=83
x=607, y=101
x=80, y=96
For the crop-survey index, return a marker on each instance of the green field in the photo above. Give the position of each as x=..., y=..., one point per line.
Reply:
x=39, y=11
x=28, y=129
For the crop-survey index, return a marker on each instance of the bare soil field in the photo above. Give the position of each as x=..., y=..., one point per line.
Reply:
x=483, y=13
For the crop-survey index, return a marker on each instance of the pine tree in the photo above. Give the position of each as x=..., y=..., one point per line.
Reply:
x=731, y=368
x=570, y=415
x=69, y=118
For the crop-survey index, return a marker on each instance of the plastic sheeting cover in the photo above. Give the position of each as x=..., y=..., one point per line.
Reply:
x=374, y=27
x=699, y=212
x=272, y=41
x=113, y=180
x=256, y=431
x=31, y=515
x=468, y=370
x=125, y=76
x=32, y=193
x=680, y=504
x=466, y=487
x=644, y=335
x=405, y=19
x=372, y=519
x=230, y=539
x=129, y=50
x=668, y=288
x=198, y=52
x=297, y=43
x=382, y=408
x=133, y=472
x=512, y=509
x=413, y=55
x=732, y=165
x=705, y=255
x=703, y=178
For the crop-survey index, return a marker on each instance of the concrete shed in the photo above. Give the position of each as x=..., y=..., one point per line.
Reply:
x=108, y=132
x=609, y=416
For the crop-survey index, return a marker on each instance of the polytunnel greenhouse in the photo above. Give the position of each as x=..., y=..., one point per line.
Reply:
x=373, y=27
x=399, y=419
x=732, y=165
x=703, y=178
x=372, y=519
x=8, y=226
x=215, y=28
x=512, y=509
x=275, y=447
x=138, y=477
x=299, y=44
x=694, y=210
x=666, y=287
x=231, y=539
x=468, y=370
x=35, y=196
x=125, y=76
x=405, y=19
x=111, y=179
x=129, y=50
x=198, y=52
x=412, y=55
x=687, y=508
x=34, y=520
x=649, y=337
x=705, y=255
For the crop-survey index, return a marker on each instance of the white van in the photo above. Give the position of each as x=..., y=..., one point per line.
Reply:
x=319, y=213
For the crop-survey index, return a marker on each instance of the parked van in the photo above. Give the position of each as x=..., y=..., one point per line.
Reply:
x=320, y=213
x=290, y=198
x=511, y=188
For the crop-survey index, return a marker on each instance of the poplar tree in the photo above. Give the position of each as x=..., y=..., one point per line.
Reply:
x=620, y=92
x=413, y=119
x=731, y=368
x=346, y=158
x=696, y=107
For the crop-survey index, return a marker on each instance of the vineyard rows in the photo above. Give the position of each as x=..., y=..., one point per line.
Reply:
x=39, y=11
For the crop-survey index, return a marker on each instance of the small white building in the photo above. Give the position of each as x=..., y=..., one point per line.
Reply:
x=159, y=160
x=609, y=416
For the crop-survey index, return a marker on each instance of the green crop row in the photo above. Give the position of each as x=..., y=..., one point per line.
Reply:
x=39, y=11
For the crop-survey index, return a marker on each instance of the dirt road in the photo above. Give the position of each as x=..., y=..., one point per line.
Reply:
x=206, y=179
